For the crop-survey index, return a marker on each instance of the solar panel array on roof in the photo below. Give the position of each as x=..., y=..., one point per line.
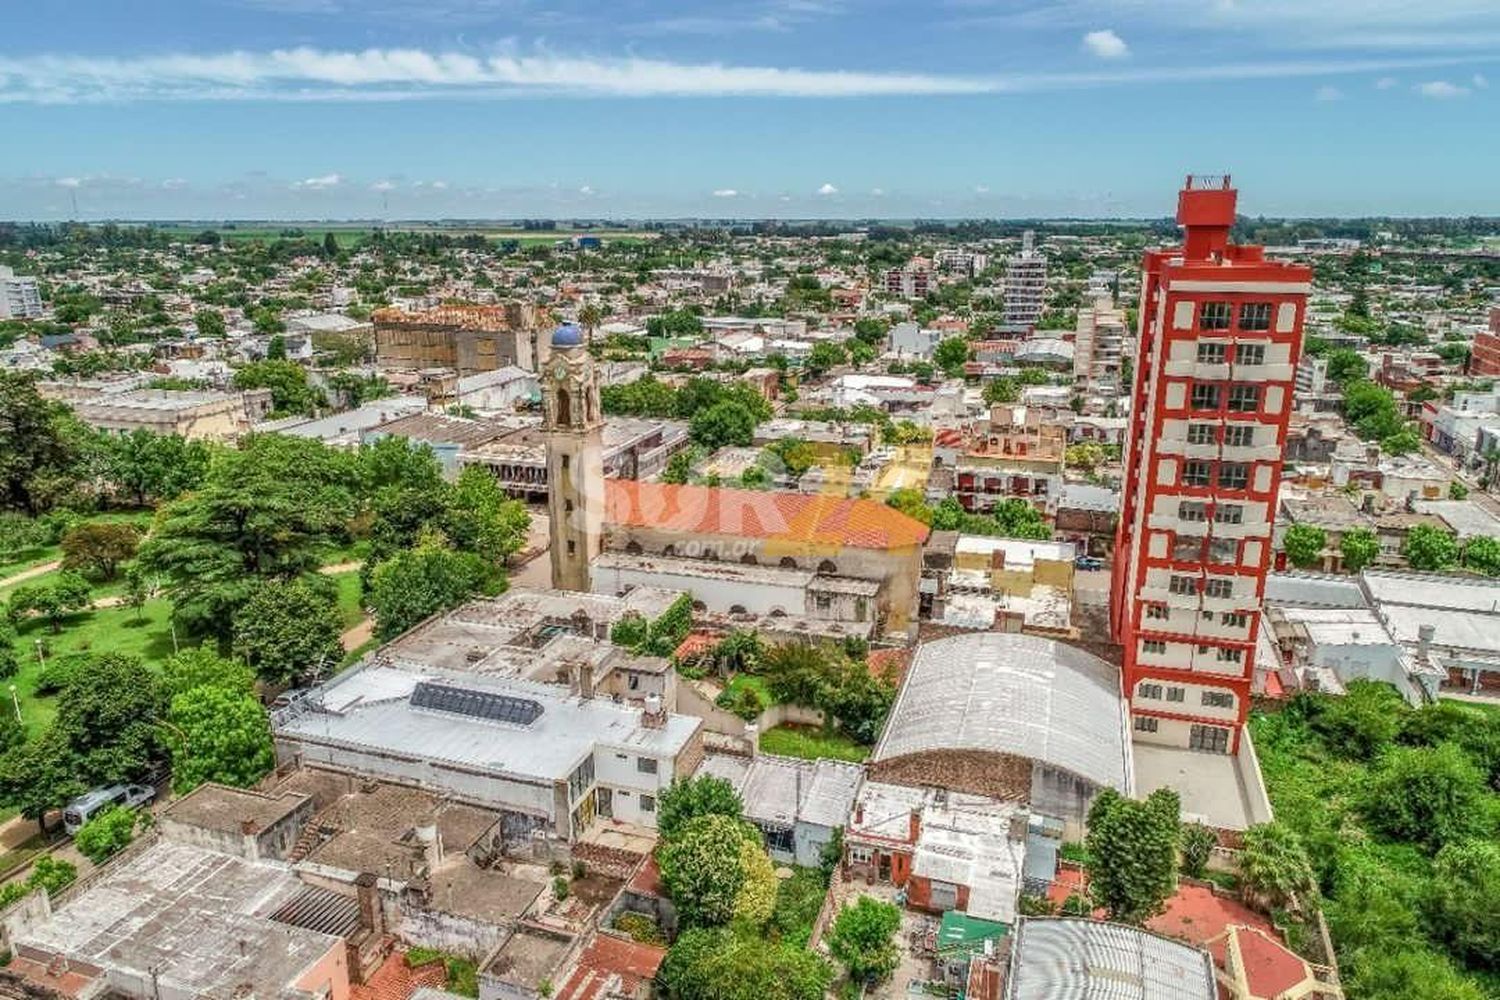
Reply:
x=475, y=704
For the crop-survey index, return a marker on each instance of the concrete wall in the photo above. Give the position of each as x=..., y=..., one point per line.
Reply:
x=508, y=793
x=449, y=932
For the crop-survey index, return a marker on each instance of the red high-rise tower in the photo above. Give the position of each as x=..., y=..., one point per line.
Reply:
x=1220, y=333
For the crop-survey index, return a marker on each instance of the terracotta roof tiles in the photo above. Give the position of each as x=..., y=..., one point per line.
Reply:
x=794, y=517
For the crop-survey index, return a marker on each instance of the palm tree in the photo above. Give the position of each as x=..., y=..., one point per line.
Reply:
x=589, y=318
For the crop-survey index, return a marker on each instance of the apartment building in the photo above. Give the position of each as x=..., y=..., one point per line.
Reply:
x=1485, y=359
x=1099, y=347
x=1025, y=284
x=19, y=296
x=1221, y=335
x=910, y=282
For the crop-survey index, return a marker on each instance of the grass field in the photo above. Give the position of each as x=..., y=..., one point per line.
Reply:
x=811, y=743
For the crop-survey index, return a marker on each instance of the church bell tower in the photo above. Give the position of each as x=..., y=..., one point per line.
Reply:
x=574, y=427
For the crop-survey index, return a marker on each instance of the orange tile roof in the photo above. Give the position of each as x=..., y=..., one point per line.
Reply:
x=1270, y=968
x=835, y=522
x=608, y=956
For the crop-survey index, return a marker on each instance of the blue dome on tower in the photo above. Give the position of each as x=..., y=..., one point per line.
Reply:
x=567, y=335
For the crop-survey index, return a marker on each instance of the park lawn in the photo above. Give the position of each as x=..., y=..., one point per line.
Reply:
x=351, y=602
x=811, y=743
x=107, y=630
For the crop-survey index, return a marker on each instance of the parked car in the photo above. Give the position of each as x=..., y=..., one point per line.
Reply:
x=1088, y=562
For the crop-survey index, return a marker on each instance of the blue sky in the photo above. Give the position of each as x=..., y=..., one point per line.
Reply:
x=307, y=109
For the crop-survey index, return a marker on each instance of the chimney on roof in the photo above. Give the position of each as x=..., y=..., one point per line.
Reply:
x=367, y=891
x=1425, y=634
x=585, y=681
x=431, y=841
x=654, y=716
x=914, y=828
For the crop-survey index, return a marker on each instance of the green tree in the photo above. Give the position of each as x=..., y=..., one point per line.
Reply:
x=679, y=468
x=1482, y=555
x=720, y=964
x=1304, y=545
x=289, y=629
x=202, y=666
x=825, y=355
x=871, y=330
x=110, y=714
x=687, y=799
x=1430, y=548
x=276, y=348
x=1466, y=899
x=414, y=585
x=10, y=663
x=1429, y=796
x=1371, y=410
x=291, y=393
x=1359, y=548
x=210, y=323
x=154, y=467
x=1197, y=844
x=481, y=519
x=53, y=602
x=330, y=245
x=757, y=896
x=266, y=512
x=862, y=939
x=1457, y=490
x=794, y=455
x=20, y=534
x=1132, y=849
x=1410, y=973
x=702, y=867
x=1363, y=723
x=100, y=547
x=44, y=449
x=1345, y=365
x=950, y=355
x=220, y=735
x=724, y=423
x=1274, y=869
x=107, y=833
x=39, y=776
x=912, y=502
x=1002, y=390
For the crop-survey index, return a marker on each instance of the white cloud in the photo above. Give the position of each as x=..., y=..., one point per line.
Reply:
x=1480, y=81
x=306, y=74
x=320, y=183
x=828, y=189
x=877, y=192
x=1106, y=44
x=1441, y=90
x=383, y=186
x=726, y=193
x=1328, y=93
x=69, y=182
x=981, y=189
x=586, y=191
x=439, y=185
x=1386, y=83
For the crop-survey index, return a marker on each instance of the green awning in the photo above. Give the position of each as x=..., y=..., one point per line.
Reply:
x=960, y=932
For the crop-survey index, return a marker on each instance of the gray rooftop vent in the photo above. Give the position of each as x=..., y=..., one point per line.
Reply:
x=475, y=704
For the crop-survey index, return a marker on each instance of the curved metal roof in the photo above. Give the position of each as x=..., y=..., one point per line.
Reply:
x=1014, y=694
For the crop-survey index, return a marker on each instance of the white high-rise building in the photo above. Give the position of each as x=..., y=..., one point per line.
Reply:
x=1025, y=284
x=19, y=296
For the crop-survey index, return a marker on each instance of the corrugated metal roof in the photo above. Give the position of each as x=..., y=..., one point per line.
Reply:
x=1093, y=960
x=1013, y=694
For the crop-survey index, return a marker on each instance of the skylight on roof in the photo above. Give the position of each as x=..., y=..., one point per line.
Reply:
x=475, y=704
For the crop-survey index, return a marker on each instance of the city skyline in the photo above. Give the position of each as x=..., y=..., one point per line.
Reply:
x=327, y=109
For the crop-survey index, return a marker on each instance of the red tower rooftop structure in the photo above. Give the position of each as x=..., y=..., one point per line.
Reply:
x=1220, y=334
